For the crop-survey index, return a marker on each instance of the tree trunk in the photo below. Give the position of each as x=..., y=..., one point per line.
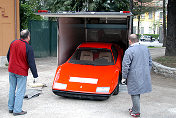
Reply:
x=171, y=29
x=164, y=23
x=138, y=24
x=131, y=9
x=139, y=17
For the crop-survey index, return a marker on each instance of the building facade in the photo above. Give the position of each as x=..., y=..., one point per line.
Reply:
x=150, y=22
x=9, y=26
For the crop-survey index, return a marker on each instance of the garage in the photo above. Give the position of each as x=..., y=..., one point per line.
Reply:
x=75, y=28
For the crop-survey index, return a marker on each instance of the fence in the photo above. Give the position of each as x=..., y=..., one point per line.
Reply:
x=43, y=38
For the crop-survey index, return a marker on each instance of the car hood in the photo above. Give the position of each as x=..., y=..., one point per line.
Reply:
x=102, y=74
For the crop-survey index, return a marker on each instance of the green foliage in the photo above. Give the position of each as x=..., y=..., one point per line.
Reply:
x=34, y=4
x=28, y=8
x=86, y=5
x=97, y=5
x=6, y=64
x=119, y=5
x=27, y=14
x=140, y=7
x=55, y=5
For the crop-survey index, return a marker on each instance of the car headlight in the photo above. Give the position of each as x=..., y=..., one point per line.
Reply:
x=103, y=89
x=60, y=86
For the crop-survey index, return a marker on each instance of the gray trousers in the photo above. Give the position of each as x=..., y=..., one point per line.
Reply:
x=136, y=103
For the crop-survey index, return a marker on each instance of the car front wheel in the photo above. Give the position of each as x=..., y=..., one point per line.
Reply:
x=116, y=90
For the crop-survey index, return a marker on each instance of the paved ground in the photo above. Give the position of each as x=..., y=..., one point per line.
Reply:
x=157, y=52
x=151, y=44
x=160, y=103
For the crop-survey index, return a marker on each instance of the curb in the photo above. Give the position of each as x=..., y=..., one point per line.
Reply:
x=3, y=61
x=164, y=70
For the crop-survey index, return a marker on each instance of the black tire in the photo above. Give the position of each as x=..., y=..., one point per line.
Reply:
x=116, y=90
x=120, y=78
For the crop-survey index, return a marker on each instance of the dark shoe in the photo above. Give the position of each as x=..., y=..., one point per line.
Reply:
x=21, y=113
x=10, y=111
x=130, y=110
x=135, y=114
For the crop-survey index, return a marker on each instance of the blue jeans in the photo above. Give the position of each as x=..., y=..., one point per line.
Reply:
x=16, y=99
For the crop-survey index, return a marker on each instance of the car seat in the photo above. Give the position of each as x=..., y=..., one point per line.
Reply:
x=86, y=55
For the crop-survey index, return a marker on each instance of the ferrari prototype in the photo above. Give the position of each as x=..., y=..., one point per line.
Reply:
x=93, y=72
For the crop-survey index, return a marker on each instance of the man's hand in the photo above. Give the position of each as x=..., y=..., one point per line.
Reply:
x=123, y=81
x=35, y=79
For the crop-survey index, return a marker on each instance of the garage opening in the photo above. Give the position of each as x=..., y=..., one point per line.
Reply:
x=79, y=27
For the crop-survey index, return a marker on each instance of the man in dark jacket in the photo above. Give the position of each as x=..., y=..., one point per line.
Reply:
x=136, y=67
x=20, y=57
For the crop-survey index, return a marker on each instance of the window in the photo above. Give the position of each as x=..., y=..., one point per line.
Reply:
x=142, y=30
x=150, y=15
x=161, y=15
x=115, y=53
x=134, y=29
x=150, y=30
x=142, y=16
x=135, y=17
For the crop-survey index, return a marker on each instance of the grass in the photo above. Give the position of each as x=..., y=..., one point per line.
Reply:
x=153, y=47
x=169, y=61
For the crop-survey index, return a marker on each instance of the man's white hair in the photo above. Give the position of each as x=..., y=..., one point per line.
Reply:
x=24, y=34
x=133, y=38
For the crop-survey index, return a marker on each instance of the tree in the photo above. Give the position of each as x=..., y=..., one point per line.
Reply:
x=27, y=14
x=27, y=11
x=131, y=10
x=28, y=8
x=86, y=5
x=171, y=29
x=164, y=23
x=34, y=4
x=119, y=5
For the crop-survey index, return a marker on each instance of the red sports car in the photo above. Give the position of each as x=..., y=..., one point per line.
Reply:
x=92, y=72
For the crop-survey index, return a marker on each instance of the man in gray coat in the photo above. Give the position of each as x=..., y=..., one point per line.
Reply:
x=136, y=67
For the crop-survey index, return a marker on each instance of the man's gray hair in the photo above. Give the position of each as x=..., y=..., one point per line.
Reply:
x=133, y=38
x=24, y=34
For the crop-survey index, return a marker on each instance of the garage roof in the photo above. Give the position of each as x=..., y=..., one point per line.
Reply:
x=87, y=14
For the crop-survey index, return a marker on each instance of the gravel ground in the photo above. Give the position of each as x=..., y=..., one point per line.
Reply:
x=160, y=103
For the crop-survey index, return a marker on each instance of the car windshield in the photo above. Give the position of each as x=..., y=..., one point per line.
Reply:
x=92, y=56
